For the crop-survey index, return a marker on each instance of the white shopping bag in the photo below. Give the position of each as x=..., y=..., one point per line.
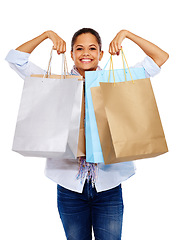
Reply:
x=49, y=117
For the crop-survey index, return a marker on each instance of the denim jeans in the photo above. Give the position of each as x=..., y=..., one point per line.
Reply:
x=79, y=212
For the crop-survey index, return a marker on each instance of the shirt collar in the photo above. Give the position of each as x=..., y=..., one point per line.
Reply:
x=74, y=70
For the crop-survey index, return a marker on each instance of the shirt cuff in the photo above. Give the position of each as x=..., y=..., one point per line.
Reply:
x=151, y=68
x=17, y=57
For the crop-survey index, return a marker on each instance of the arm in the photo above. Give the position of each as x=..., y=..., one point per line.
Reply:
x=19, y=60
x=58, y=43
x=157, y=54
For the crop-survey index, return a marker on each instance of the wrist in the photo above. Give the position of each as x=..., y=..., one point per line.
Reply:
x=126, y=33
x=130, y=36
x=47, y=34
x=123, y=34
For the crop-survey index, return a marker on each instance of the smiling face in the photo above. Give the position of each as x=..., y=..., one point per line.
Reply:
x=86, y=53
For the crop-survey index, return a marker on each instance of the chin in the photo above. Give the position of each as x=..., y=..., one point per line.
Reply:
x=89, y=68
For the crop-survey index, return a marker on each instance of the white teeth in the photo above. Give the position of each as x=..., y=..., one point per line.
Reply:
x=86, y=60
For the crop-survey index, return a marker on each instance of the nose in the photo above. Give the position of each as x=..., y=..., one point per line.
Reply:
x=85, y=53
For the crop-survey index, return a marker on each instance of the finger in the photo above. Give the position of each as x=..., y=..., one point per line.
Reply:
x=115, y=48
x=58, y=48
x=54, y=47
x=118, y=48
x=58, y=45
x=118, y=52
x=63, y=47
x=111, y=48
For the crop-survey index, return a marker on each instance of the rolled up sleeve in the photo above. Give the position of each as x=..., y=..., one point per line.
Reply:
x=151, y=68
x=19, y=62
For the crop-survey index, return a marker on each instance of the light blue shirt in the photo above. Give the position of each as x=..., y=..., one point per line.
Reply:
x=64, y=172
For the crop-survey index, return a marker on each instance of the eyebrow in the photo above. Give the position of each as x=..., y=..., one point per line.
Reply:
x=92, y=45
x=79, y=45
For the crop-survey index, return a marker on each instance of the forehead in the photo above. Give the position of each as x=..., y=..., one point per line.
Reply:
x=86, y=39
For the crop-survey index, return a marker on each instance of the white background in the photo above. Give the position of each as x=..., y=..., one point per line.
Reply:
x=28, y=203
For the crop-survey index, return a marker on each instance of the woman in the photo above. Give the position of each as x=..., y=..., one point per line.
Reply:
x=89, y=195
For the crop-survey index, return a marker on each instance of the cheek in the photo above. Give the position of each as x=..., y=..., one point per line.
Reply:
x=73, y=54
x=76, y=56
x=98, y=56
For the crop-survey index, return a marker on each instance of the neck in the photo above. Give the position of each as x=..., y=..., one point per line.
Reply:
x=81, y=72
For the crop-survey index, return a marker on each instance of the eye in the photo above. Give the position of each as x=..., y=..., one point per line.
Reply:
x=79, y=49
x=92, y=48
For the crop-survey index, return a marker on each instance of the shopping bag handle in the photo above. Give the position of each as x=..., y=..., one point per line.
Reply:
x=124, y=61
x=111, y=68
x=64, y=65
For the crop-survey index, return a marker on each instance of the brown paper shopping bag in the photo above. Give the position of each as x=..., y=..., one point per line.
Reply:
x=128, y=121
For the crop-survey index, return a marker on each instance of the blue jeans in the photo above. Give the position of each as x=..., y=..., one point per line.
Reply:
x=79, y=212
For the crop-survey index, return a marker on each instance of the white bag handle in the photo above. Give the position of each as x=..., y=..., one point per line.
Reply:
x=64, y=68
